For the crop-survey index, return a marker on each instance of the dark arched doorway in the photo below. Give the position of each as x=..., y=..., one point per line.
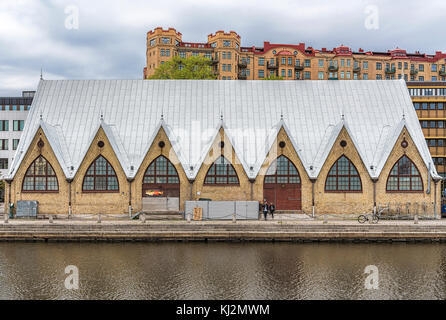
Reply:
x=161, y=186
x=282, y=185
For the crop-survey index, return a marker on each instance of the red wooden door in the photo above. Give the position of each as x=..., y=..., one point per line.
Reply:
x=284, y=196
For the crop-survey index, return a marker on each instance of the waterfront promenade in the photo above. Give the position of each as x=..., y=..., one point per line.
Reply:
x=282, y=228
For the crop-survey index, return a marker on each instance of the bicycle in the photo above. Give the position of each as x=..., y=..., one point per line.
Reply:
x=365, y=217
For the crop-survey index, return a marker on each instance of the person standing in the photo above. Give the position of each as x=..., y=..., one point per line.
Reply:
x=265, y=209
x=272, y=208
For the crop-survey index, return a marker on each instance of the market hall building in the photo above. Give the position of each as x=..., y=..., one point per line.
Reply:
x=328, y=147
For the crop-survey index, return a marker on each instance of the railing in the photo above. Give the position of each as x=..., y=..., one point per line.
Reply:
x=214, y=60
x=298, y=67
x=357, y=69
x=333, y=68
x=442, y=73
x=242, y=76
x=413, y=71
x=242, y=64
x=390, y=70
x=271, y=65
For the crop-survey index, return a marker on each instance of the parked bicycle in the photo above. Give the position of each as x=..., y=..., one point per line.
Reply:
x=373, y=218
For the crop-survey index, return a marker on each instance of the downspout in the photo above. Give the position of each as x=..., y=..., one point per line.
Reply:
x=9, y=195
x=252, y=187
x=435, y=198
x=69, y=198
x=130, y=180
x=191, y=184
x=374, y=180
x=428, y=191
x=313, y=181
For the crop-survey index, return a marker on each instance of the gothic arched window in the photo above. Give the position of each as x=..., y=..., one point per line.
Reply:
x=343, y=177
x=100, y=177
x=404, y=177
x=221, y=172
x=40, y=177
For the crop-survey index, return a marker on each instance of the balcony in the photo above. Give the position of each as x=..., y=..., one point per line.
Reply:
x=442, y=73
x=413, y=72
x=356, y=69
x=390, y=70
x=242, y=64
x=298, y=67
x=333, y=68
x=241, y=76
x=271, y=65
x=214, y=60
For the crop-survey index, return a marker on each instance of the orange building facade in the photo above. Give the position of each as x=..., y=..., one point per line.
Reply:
x=231, y=60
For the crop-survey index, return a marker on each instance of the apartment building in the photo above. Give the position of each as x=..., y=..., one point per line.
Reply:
x=231, y=60
x=13, y=113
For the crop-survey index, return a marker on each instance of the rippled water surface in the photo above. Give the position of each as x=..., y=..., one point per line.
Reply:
x=222, y=270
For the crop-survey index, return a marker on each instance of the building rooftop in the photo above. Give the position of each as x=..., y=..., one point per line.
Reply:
x=131, y=112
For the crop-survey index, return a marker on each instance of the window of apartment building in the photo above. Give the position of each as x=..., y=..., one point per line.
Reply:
x=421, y=78
x=226, y=43
x=379, y=66
x=400, y=65
x=297, y=75
x=416, y=105
x=223, y=67
x=208, y=55
x=320, y=75
x=342, y=62
x=228, y=55
x=349, y=76
x=261, y=61
x=307, y=75
x=228, y=67
x=18, y=125
x=290, y=73
x=152, y=42
x=3, y=144
x=421, y=67
x=261, y=73
x=167, y=52
x=432, y=106
x=165, y=40
x=349, y=63
x=15, y=143
x=321, y=63
x=4, y=125
x=440, y=124
x=342, y=75
x=3, y=163
x=365, y=65
x=365, y=76
x=434, y=78
x=307, y=63
x=223, y=55
x=405, y=77
x=282, y=71
x=290, y=61
x=14, y=108
x=271, y=73
x=424, y=124
x=355, y=76
x=434, y=68
x=247, y=72
x=440, y=106
x=406, y=65
x=163, y=52
x=432, y=124
x=297, y=62
x=195, y=54
x=424, y=105
x=283, y=60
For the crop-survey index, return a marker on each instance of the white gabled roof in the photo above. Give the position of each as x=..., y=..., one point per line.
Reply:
x=131, y=112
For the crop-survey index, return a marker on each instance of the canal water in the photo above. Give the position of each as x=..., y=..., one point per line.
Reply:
x=222, y=270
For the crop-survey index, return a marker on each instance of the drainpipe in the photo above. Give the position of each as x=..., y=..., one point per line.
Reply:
x=252, y=187
x=69, y=198
x=130, y=180
x=435, y=198
x=374, y=180
x=428, y=191
x=313, y=181
x=191, y=183
x=9, y=196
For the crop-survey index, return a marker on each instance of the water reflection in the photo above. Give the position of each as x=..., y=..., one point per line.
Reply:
x=222, y=270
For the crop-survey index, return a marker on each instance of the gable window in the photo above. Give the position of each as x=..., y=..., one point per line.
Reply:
x=100, y=177
x=221, y=172
x=343, y=177
x=404, y=177
x=282, y=170
x=40, y=177
x=161, y=170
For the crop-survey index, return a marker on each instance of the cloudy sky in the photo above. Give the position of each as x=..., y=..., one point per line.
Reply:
x=111, y=36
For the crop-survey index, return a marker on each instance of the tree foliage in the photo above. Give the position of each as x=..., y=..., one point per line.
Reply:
x=273, y=77
x=193, y=67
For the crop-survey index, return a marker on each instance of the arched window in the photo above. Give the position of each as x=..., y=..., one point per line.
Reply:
x=404, y=177
x=343, y=177
x=100, y=177
x=282, y=170
x=40, y=177
x=161, y=170
x=221, y=172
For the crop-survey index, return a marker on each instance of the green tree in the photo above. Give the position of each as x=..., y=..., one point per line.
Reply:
x=193, y=67
x=273, y=77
